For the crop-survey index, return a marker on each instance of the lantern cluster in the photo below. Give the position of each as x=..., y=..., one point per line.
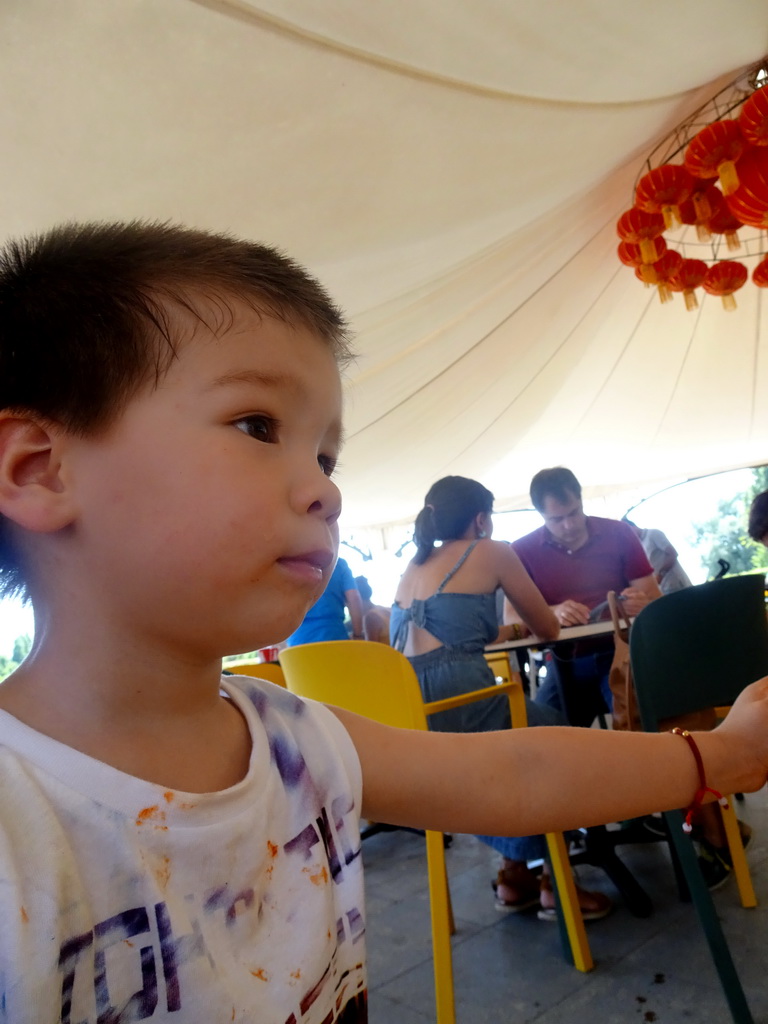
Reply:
x=721, y=185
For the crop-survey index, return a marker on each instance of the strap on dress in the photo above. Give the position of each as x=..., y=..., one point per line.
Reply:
x=456, y=567
x=416, y=611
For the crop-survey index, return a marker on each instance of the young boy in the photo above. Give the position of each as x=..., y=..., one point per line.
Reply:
x=174, y=846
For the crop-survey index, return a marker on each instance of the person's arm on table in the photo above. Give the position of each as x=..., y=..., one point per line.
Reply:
x=567, y=613
x=528, y=781
x=571, y=613
x=523, y=602
x=511, y=631
x=639, y=593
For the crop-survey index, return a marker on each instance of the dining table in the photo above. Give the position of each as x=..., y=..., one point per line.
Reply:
x=591, y=630
x=588, y=631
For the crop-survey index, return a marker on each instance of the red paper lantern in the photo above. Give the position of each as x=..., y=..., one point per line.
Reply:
x=760, y=274
x=725, y=278
x=629, y=254
x=753, y=119
x=640, y=228
x=705, y=202
x=686, y=279
x=665, y=268
x=632, y=256
x=713, y=152
x=691, y=273
x=750, y=200
x=668, y=265
x=662, y=190
x=724, y=223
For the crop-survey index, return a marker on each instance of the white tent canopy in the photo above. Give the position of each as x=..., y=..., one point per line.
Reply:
x=453, y=172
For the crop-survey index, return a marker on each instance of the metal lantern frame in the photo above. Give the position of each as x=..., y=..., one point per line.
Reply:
x=684, y=239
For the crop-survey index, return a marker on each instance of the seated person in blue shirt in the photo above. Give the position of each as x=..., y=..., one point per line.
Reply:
x=325, y=619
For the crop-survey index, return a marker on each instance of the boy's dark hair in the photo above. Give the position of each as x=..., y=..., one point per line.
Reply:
x=364, y=587
x=758, y=517
x=449, y=507
x=86, y=317
x=558, y=483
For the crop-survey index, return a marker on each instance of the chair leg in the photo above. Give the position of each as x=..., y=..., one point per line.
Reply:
x=569, y=911
x=442, y=919
x=601, y=853
x=710, y=922
x=517, y=703
x=373, y=828
x=738, y=857
x=451, y=919
x=682, y=884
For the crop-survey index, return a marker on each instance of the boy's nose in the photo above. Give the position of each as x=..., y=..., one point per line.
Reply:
x=326, y=500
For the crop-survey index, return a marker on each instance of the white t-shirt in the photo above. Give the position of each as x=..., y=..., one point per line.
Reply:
x=121, y=901
x=655, y=545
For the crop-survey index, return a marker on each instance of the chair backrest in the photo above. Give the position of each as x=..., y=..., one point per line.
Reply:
x=269, y=670
x=498, y=662
x=370, y=679
x=699, y=647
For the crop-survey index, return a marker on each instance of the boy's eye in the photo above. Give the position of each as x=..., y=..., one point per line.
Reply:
x=261, y=428
x=327, y=463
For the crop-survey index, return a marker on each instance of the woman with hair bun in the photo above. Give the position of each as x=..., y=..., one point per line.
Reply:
x=443, y=616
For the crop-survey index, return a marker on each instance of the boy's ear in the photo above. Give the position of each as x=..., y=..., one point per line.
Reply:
x=33, y=491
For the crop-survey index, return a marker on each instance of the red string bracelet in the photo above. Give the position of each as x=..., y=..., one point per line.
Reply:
x=703, y=789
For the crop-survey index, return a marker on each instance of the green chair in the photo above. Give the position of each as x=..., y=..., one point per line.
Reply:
x=691, y=650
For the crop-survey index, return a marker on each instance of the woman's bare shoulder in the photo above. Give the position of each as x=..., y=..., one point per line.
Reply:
x=497, y=550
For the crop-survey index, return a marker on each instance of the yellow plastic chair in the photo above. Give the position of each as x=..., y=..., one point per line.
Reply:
x=269, y=670
x=500, y=665
x=378, y=682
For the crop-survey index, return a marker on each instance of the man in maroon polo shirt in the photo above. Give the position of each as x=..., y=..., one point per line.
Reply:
x=574, y=560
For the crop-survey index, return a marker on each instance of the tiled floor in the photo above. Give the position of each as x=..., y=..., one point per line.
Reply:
x=510, y=968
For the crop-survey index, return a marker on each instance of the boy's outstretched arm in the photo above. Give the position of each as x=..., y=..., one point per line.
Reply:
x=528, y=781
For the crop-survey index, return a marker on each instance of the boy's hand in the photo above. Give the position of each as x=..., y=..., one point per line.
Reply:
x=746, y=728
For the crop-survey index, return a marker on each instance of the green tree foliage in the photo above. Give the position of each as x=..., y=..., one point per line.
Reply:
x=230, y=658
x=21, y=649
x=725, y=536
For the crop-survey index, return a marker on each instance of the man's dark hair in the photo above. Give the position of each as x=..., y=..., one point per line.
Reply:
x=449, y=507
x=86, y=316
x=558, y=483
x=758, y=517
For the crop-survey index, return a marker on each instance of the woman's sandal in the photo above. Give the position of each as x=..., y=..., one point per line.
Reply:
x=593, y=905
x=523, y=883
x=724, y=852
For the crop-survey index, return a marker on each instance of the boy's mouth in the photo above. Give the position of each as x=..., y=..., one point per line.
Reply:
x=310, y=564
